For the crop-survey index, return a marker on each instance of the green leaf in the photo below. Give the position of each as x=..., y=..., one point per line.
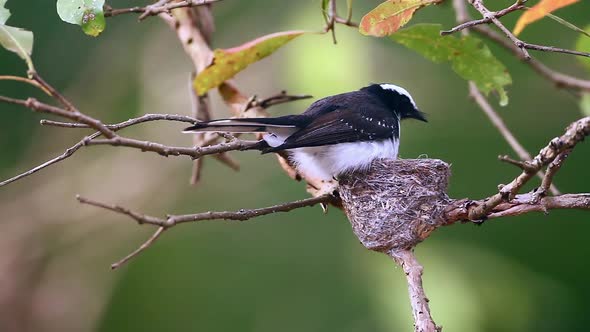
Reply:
x=86, y=13
x=470, y=58
x=93, y=24
x=4, y=13
x=17, y=40
x=228, y=62
x=583, y=45
x=390, y=16
x=585, y=104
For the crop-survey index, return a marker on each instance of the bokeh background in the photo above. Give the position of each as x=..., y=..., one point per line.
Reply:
x=301, y=271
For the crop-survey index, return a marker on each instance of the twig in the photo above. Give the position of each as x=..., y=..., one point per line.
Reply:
x=554, y=49
x=346, y=22
x=469, y=24
x=70, y=151
x=524, y=165
x=173, y=220
x=72, y=114
x=25, y=80
x=279, y=98
x=523, y=46
x=124, y=124
x=547, y=181
x=52, y=91
x=148, y=243
x=423, y=321
x=479, y=6
x=331, y=17
x=115, y=127
x=157, y=8
x=505, y=132
x=166, y=150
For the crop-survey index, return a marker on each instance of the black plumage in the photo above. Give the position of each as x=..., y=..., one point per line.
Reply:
x=372, y=113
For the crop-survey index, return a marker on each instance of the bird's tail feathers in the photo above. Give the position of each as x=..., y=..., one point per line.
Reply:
x=241, y=125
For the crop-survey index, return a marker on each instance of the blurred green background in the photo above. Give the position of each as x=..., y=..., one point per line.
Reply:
x=301, y=271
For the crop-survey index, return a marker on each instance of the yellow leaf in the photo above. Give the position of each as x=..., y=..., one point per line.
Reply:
x=228, y=62
x=538, y=11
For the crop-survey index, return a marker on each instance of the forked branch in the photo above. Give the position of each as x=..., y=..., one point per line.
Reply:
x=173, y=220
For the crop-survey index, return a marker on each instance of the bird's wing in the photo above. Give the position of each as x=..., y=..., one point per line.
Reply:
x=341, y=126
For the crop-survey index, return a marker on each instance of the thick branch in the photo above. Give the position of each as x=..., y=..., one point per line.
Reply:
x=423, y=321
x=460, y=210
x=575, y=133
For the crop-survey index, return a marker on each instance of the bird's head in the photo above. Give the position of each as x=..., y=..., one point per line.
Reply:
x=397, y=99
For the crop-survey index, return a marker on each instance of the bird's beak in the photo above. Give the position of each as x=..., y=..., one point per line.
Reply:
x=420, y=116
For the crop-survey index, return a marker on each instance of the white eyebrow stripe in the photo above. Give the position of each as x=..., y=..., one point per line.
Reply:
x=399, y=90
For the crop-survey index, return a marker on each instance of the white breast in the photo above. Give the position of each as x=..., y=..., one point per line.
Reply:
x=326, y=162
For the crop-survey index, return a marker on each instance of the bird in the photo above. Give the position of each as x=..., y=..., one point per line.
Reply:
x=336, y=135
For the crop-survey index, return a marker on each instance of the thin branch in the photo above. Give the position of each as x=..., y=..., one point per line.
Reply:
x=554, y=49
x=552, y=169
x=166, y=150
x=487, y=14
x=25, y=80
x=70, y=151
x=240, y=215
x=53, y=92
x=148, y=243
x=524, y=165
x=124, y=124
x=504, y=131
x=423, y=321
x=559, y=79
x=279, y=98
x=72, y=114
x=173, y=220
x=575, y=133
x=469, y=24
x=346, y=22
x=331, y=16
x=521, y=45
x=157, y=8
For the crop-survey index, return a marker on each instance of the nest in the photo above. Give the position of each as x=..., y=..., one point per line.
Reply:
x=395, y=204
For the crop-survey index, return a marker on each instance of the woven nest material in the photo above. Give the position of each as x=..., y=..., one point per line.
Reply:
x=395, y=204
